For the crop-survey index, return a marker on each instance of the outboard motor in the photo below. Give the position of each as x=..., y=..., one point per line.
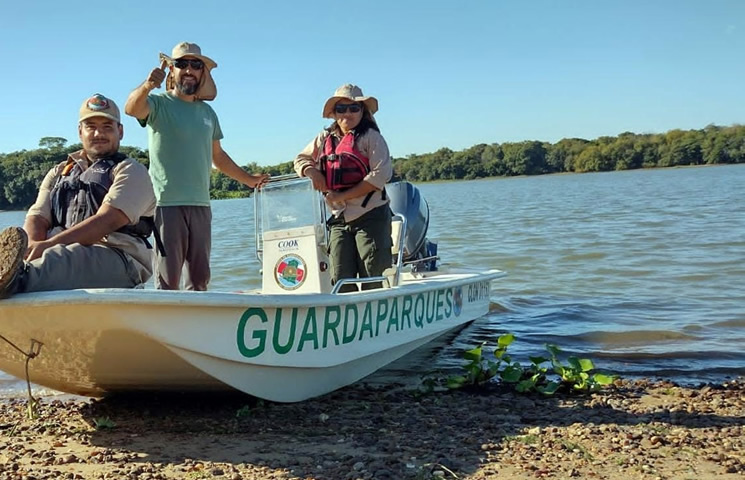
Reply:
x=407, y=201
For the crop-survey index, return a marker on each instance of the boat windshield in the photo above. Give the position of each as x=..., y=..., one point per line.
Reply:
x=289, y=204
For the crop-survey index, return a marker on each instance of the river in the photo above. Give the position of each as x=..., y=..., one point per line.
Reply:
x=642, y=271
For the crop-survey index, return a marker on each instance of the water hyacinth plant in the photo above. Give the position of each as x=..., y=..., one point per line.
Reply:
x=545, y=375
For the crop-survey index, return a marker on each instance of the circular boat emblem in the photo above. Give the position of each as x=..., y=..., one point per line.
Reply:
x=458, y=300
x=290, y=272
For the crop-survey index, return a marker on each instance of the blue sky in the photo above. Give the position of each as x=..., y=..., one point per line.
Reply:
x=447, y=73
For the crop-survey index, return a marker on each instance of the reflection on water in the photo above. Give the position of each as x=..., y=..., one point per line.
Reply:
x=641, y=271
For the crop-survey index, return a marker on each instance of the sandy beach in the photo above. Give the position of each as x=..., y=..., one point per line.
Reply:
x=634, y=429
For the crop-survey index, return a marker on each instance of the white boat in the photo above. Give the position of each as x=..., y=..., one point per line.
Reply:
x=294, y=339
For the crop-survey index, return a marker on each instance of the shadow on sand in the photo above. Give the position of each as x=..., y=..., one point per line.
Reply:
x=391, y=431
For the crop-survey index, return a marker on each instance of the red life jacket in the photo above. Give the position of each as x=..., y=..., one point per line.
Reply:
x=343, y=165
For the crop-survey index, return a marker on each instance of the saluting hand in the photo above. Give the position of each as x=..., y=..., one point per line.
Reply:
x=157, y=75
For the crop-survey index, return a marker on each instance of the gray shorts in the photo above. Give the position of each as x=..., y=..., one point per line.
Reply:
x=186, y=232
x=66, y=267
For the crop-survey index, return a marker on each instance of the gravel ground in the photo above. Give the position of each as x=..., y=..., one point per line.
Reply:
x=635, y=429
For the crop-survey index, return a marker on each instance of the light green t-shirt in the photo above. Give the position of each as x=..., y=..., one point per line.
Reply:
x=180, y=136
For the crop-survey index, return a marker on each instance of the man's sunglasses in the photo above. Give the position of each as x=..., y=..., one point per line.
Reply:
x=195, y=64
x=343, y=107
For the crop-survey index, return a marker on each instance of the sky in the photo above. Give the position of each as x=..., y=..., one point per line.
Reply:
x=446, y=73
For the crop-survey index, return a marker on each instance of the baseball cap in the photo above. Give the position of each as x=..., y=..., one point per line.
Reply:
x=99, y=106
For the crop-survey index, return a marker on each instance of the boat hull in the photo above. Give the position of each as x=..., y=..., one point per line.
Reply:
x=283, y=348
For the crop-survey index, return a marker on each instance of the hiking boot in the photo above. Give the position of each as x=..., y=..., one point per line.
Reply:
x=13, y=245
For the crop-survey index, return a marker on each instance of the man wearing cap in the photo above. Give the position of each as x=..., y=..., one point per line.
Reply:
x=184, y=141
x=91, y=220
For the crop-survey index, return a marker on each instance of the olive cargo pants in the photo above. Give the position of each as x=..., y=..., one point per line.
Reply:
x=360, y=248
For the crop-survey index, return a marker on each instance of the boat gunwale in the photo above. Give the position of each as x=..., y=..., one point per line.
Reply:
x=239, y=299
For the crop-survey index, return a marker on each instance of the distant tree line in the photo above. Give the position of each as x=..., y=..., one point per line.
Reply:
x=709, y=146
x=21, y=172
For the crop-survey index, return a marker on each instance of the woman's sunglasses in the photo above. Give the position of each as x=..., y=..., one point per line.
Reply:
x=343, y=107
x=195, y=64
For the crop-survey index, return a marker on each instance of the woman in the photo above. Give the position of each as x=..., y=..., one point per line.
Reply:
x=350, y=163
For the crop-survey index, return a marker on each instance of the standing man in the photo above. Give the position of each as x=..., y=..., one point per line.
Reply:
x=184, y=141
x=91, y=220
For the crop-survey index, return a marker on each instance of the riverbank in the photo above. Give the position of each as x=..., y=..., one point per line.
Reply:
x=638, y=429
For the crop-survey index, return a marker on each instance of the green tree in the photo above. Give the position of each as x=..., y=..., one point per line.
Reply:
x=524, y=158
x=561, y=156
x=622, y=154
x=53, y=143
x=590, y=160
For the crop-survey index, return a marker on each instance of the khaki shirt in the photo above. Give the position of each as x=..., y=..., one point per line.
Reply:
x=373, y=146
x=131, y=192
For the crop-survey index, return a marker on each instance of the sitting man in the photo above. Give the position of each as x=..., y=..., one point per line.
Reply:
x=91, y=220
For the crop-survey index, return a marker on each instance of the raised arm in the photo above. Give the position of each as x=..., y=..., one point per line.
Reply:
x=137, y=105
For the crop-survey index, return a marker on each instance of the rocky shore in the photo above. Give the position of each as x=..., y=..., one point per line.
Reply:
x=634, y=429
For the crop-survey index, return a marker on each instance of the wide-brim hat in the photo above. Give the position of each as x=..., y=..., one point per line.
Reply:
x=207, y=89
x=349, y=92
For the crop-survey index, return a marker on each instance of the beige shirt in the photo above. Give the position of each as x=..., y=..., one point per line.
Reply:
x=372, y=145
x=131, y=192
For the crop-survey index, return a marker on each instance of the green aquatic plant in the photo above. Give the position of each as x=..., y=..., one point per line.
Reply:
x=102, y=423
x=480, y=369
x=545, y=375
x=248, y=409
x=243, y=412
x=528, y=439
x=578, y=374
x=577, y=448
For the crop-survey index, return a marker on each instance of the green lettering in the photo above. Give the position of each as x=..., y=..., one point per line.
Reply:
x=259, y=335
x=282, y=349
x=382, y=314
x=405, y=311
x=393, y=319
x=348, y=337
x=310, y=331
x=439, y=305
x=419, y=308
x=331, y=326
x=430, y=316
x=449, y=302
x=367, y=321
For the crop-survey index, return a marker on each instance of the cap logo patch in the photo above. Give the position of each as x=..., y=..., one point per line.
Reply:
x=97, y=103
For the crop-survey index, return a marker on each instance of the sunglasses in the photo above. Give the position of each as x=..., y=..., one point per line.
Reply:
x=195, y=64
x=343, y=107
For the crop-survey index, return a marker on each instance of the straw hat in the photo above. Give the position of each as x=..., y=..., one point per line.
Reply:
x=207, y=89
x=349, y=92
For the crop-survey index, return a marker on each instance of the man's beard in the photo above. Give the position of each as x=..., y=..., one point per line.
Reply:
x=187, y=89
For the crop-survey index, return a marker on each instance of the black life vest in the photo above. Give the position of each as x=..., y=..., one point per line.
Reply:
x=78, y=194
